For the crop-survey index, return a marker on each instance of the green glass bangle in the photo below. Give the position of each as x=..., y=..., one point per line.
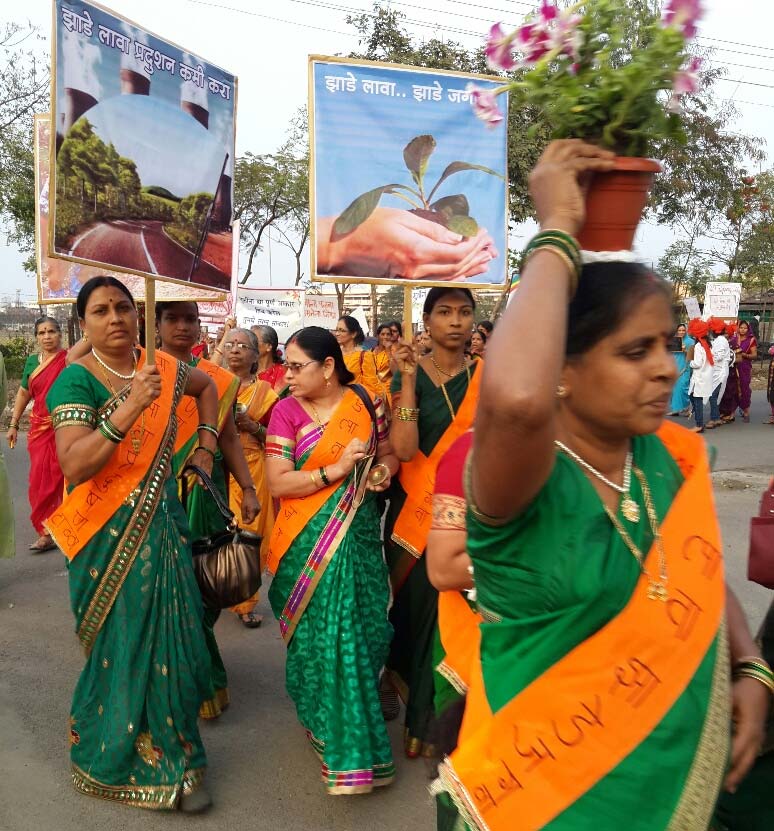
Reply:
x=324, y=476
x=205, y=449
x=210, y=428
x=107, y=430
x=549, y=238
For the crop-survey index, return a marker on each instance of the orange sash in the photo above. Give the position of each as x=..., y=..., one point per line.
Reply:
x=460, y=639
x=350, y=420
x=89, y=506
x=524, y=765
x=187, y=412
x=417, y=477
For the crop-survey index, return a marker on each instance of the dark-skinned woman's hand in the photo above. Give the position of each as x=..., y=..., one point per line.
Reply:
x=559, y=180
x=751, y=702
x=406, y=357
x=204, y=460
x=250, y=506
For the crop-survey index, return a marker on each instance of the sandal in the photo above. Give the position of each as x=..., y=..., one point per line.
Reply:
x=251, y=620
x=698, y=430
x=43, y=544
x=770, y=421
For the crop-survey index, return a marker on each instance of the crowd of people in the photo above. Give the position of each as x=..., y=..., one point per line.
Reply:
x=507, y=559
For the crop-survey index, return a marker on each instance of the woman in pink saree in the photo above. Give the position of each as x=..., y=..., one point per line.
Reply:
x=46, y=482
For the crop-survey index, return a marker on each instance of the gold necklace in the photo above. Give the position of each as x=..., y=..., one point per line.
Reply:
x=657, y=589
x=446, y=394
x=443, y=371
x=316, y=415
x=136, y=433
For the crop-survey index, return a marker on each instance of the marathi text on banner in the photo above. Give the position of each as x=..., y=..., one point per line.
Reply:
x=428, y=205
x=144, y=151
x=722, y=300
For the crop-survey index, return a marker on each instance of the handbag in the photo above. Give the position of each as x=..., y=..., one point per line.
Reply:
x=760, y=562
x=227, y=564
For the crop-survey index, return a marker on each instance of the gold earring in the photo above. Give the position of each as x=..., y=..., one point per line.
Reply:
x=85, y=338
x=327, y=381
x=561, y=391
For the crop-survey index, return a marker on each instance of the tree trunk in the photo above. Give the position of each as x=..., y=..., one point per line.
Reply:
x=374, y=309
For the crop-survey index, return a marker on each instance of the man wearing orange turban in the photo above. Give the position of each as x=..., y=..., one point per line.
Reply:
x=701, y=363
x=722, y=357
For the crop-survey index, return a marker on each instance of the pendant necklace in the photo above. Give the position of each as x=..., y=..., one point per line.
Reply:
x=657, y=588
x=443, y=383
x=629, y=508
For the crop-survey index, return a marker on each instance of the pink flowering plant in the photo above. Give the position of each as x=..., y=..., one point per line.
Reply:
x=599, y=70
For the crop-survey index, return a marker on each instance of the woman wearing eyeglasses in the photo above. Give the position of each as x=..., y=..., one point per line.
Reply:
x=255, y=401
x=327, y=451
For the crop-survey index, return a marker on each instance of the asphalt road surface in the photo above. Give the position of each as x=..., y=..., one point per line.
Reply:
x=142, y=245
x=262, y=773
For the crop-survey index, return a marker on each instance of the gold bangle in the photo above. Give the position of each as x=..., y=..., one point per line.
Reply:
x=313, y=477
x=552, y=249
x=407, y=413
x=756, y=676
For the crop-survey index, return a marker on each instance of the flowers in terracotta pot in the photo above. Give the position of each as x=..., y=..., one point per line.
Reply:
x=600, y=70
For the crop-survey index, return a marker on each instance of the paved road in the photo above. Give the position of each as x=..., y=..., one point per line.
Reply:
x=262, y=773
x=142, y=245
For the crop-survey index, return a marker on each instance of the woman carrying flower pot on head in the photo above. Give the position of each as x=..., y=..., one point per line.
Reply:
x=176, y=325
x=701, y=363
x=255, y=402
x=360, y=362
x=46, y=482
x=434, y=402
x=328, y=455
x=591, y=522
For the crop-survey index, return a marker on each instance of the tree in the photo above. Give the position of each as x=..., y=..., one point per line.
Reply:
x=24, y=90
x=273, y=190
x=687, y=268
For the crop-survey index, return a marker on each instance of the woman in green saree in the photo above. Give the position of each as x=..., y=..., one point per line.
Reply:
x=133, y=723
x=327, y=453
x=600, y=698
x=434, y=402
x=177, y=324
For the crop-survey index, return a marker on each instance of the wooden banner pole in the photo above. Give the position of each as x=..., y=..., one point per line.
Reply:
x=150, y=320
x=408, y=323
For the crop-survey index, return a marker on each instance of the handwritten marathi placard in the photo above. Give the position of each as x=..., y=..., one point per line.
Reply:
x=722, y=300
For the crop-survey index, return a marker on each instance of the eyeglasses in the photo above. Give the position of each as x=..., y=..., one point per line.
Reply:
x=294, y=368
x=235, y=345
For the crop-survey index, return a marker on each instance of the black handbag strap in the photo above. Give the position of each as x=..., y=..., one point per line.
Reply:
x=366, y=399
x=216, y=495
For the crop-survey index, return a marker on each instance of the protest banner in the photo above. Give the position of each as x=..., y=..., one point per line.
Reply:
x=282, y=309
x=424, y=198
x=321, y=311
x=722, y=300
x=142, y=162
x=59, y=281
x=692, y=307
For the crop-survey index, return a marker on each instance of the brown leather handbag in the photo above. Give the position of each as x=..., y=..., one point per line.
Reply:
x=760, y=563
x=227, y=564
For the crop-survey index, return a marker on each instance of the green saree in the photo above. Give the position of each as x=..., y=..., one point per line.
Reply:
x=204, y=518
x=133, y=723
x=547, y=582
x=330, y=594
x=415, y=649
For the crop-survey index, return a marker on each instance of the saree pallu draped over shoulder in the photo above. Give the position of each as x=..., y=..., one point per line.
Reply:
x=330, y=594
x=46, y=483
x=561, y=737
x=134, y=736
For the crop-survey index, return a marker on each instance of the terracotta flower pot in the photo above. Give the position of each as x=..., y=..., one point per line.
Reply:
x=614, y=204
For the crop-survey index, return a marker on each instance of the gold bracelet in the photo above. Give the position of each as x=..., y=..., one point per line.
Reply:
x=407, y=413
x=756, y=676
x=552, y=249
x=313, y=477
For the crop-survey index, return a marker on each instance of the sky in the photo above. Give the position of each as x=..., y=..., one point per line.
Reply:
x=266, y=44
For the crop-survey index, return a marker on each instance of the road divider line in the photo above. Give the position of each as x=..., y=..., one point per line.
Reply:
x=152, y=265
x=81, y=238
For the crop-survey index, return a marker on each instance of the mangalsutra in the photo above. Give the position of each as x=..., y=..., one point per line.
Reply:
x=629, y=508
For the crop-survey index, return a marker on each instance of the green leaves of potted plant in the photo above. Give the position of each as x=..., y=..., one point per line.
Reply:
x=451, y=211
x=602, y=72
